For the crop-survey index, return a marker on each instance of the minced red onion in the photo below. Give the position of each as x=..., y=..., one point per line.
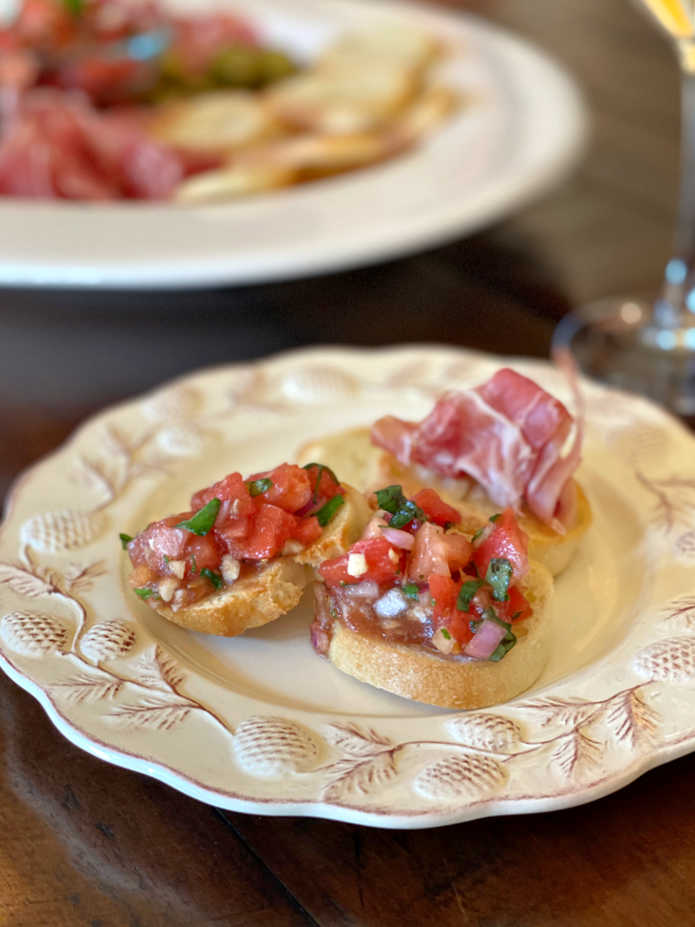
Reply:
x=486, y=640
x=398, y=538
x=392, y=603
x=367, y=589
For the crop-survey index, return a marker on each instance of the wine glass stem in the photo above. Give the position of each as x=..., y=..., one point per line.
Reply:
x=676, y=306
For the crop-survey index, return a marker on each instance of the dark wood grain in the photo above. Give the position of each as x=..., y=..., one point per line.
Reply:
x=85, y=843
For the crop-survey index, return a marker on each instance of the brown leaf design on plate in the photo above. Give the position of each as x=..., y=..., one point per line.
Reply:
x=631, y=718
x=669, y=660
x=160, y=714
x=353, y=741
x=460, y=775
x=362, y=775
x=575, y=752
x=560, y=710
x=23, y=582
x=81, y=579
x=85, y=688
x=157, y=670
x=486, y=731
x=681, y=609
x=674, y=500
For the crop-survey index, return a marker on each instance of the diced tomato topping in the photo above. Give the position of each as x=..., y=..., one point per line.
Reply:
x=445, y=614
x=516, y=608
x=271, y=527
x=307, y=530
x=436, y=509
x=323, y=486
x=290, y=487
x=506, y=540
x=203, y=552
x=437, y=552
x=382, y=560
x=232, y=489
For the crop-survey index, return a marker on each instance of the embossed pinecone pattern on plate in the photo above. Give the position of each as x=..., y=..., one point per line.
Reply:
x=33, y=633
x=318, y=384
x=460, y=776
x=69, y=529
x=275, y=746
x=669, y=660
x=487, y=732
x=108, y=640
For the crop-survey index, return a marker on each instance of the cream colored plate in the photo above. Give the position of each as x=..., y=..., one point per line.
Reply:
x=260, y=723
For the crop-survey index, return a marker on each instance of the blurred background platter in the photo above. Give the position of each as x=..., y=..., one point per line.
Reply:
x=520, y=128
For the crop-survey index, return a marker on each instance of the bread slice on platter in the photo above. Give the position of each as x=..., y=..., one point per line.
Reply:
x=243, y=586
x=418, y=674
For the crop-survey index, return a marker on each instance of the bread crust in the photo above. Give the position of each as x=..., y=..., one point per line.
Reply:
x=370, y=467
x=417, y=674
x=252, y=601
x=275, y=588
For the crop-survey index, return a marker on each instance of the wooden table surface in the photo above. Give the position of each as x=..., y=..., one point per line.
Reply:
x=82, y=842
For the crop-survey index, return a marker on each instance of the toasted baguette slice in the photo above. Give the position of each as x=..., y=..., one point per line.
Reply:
x=417, y=674
x=274, y=588
x=369, y=467
x=218, y=122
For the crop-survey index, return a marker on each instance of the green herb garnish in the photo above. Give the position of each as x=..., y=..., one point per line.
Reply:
x=402, y=510
x=466, y=593
x=204, y=518
x=256, y=487
x=499, y=576
x=327, y=511
x=144, y=592
x=411, y=590
x=194, y=565
x=125, y=539
x=214, y=578
x=445, y=633
x=321, y=469
x=75, y=7
x=478, y=534
x=504, y=646
x=493, y=518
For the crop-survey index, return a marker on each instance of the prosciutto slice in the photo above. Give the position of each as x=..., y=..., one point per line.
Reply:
x=508, y=434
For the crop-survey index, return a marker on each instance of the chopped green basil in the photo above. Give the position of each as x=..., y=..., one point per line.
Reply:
x=491, y=615
x=403, y=510
x=75, y=7
x=406, y=513
x=493, y=518
x=410, y=590
x=327, y=511
x=125, y=539
x=390, y=499
x=203, y=520
x=478, y=534
x=466, y=593
x=321, y=467
x=144, y=592
x=445, y=633
x=499, y=576
x=214, y=578
x=256, y=487
x=503, y=648
x=194, y=565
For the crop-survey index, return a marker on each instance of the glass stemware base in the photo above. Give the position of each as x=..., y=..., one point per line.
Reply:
x=615, y=341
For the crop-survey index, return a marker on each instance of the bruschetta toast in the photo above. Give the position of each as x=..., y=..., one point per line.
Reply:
x=244, y=552
x=426, y=611
x=483, y=449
